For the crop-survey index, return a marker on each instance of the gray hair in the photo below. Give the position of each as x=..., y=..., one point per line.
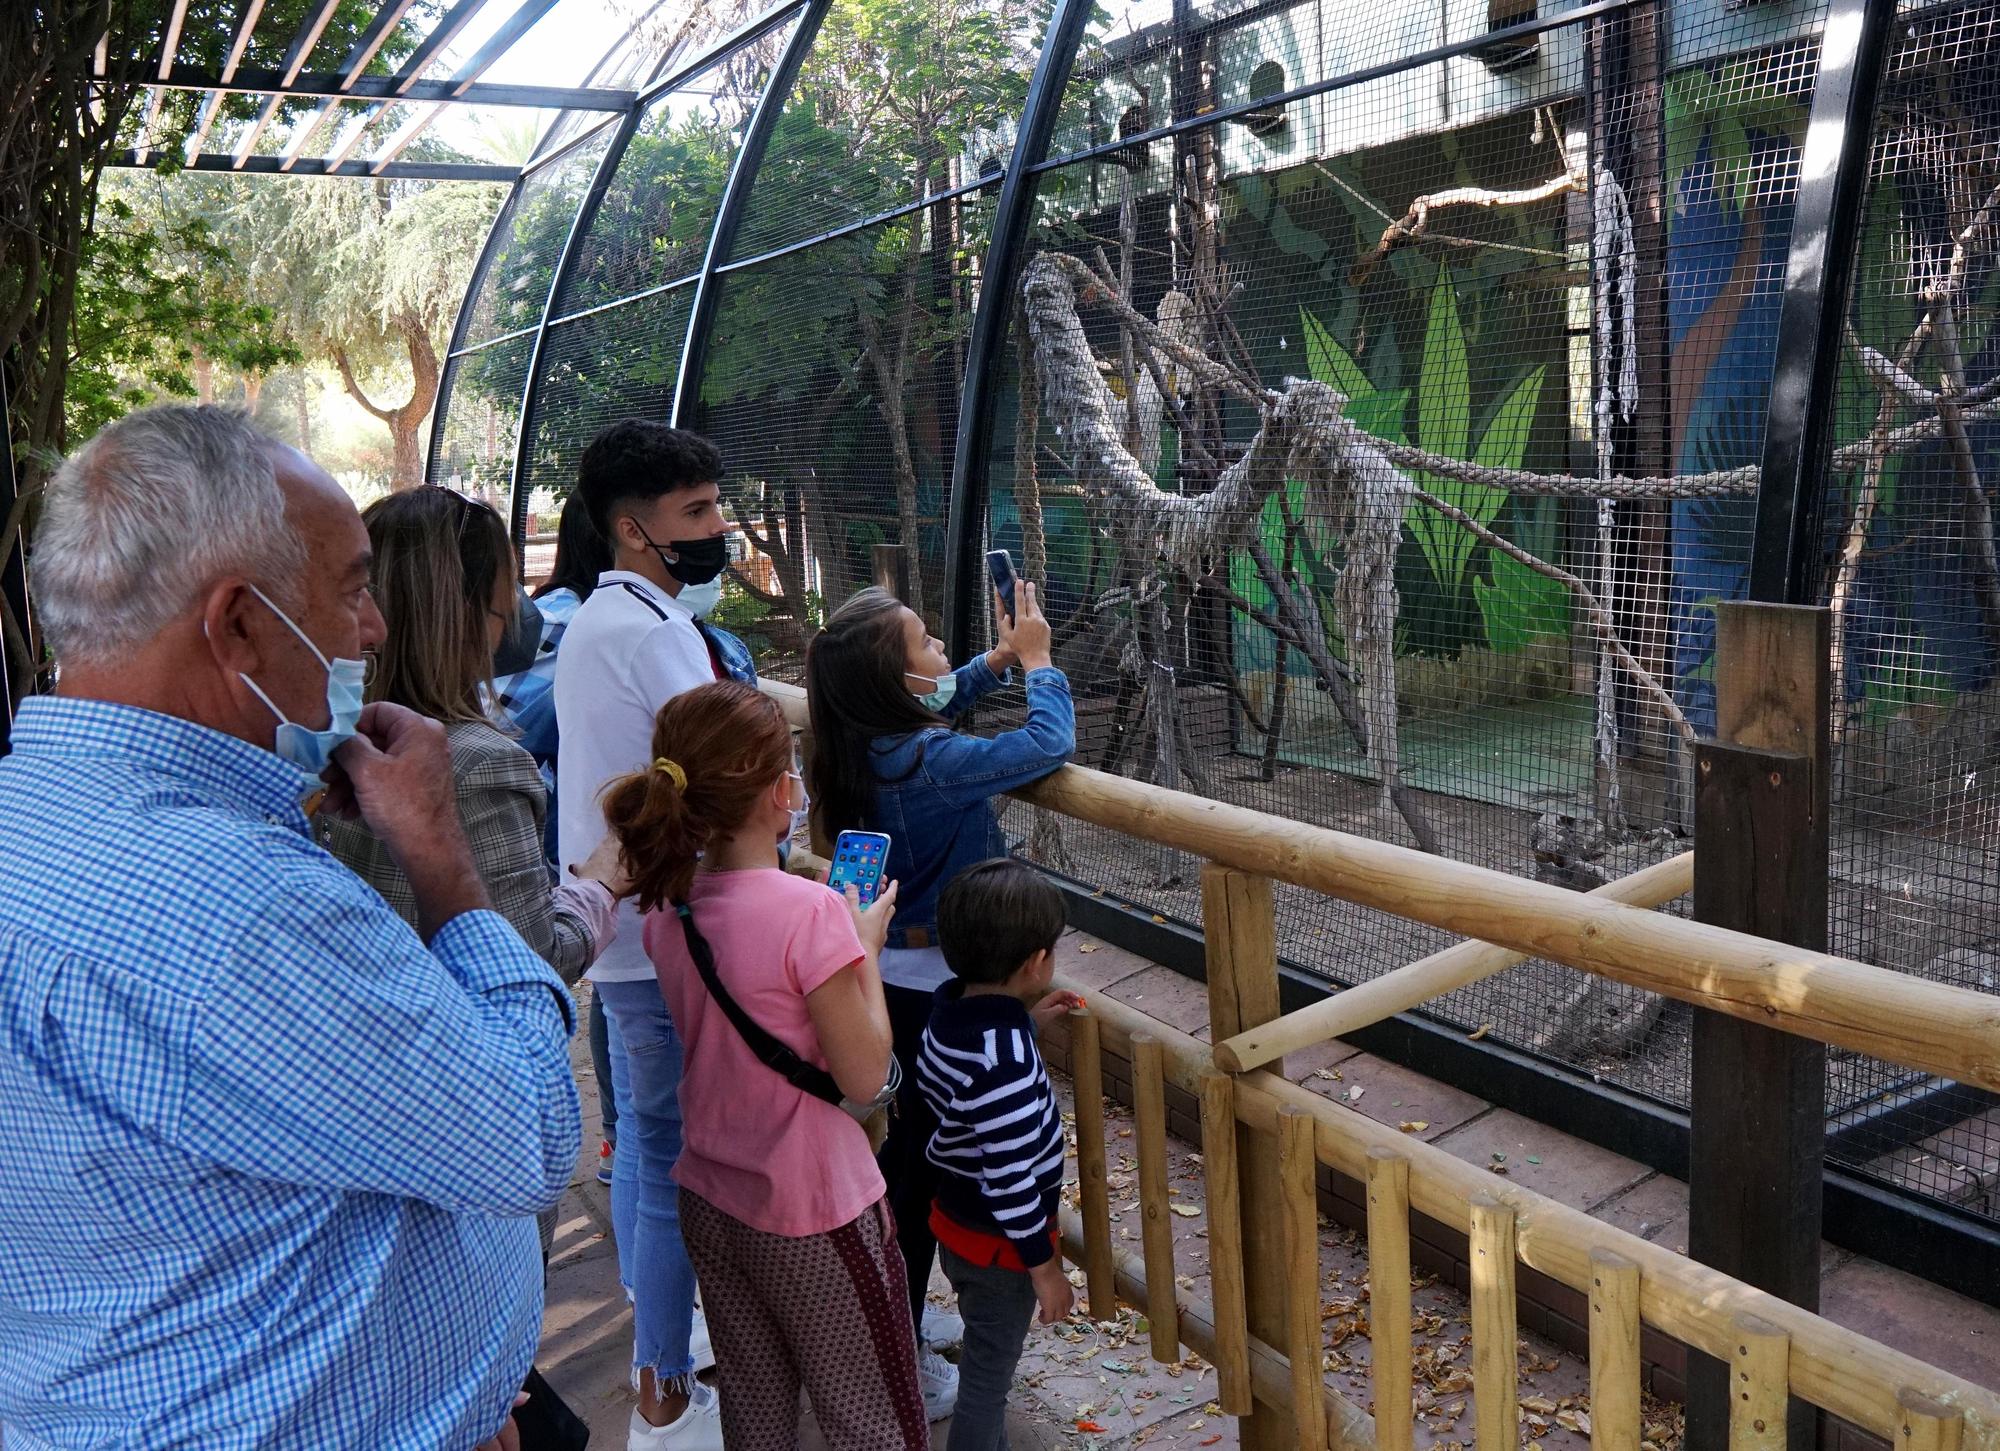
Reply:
x=148, y=514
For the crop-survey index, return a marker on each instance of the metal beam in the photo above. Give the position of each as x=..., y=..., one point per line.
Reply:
x=168, y=45
x=373, y=39
x=497, y=45
x=442, y=35
x=252, y=12
x=1380, y=71
x=745, y=34
x=258, y=81
x=1005, y=256
x=1833, y=178
x=579, y=227
x=729, y=213
x=303, y=41
x=516, y=25
x=324, y=166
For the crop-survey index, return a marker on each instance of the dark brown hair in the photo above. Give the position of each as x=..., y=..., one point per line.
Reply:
x=856, y=694
x=730, y=742
x=994, y=916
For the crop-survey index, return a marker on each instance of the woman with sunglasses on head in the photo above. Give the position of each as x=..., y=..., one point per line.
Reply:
x=443, y=577
x=883, y=697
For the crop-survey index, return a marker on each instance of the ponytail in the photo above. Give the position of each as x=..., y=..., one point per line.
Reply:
x=715, y=749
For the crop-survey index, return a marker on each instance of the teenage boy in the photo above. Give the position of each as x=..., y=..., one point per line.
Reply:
x=999, y=1139
x=630, y=648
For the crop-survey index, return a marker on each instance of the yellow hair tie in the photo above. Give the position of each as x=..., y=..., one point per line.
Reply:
x=671, y=771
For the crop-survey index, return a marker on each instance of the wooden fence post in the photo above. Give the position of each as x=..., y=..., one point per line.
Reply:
x=1225, y=1243
x=1240, y=930
x=1086, y=1056
x=1614, y=1353
x=1149, y=1103
x=1757, y=1146
x=1496, y=1357
x=1389, y=1297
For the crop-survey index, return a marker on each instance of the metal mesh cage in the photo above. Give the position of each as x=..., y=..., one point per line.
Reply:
x=1380, y=393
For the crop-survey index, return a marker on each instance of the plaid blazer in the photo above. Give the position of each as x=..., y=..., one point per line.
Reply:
x=503, y=806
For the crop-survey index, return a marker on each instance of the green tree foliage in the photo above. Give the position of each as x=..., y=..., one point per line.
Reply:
x=160, y=298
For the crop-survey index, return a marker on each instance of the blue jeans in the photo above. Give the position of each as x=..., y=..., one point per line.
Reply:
x=645, y=1203
x=998, y=1306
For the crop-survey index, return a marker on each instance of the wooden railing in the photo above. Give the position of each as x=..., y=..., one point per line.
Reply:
x=1263, y=1139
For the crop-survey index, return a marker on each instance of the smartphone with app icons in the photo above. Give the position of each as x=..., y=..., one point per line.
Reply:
x=859, y=860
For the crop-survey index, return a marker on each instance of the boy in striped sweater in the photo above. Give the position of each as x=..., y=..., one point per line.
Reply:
x=999, y=1139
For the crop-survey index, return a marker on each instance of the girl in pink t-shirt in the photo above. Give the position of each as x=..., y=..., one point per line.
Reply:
x=782, y=1206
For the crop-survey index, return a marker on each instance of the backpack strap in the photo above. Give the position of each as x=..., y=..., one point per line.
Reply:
x=767, y=1049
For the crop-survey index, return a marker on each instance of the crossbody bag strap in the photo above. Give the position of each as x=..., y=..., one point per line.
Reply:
x=767, y=1049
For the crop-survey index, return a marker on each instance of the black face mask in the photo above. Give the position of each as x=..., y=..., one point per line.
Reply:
x=699, y=561
x=522, y=640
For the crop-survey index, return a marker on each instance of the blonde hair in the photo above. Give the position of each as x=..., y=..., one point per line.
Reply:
x=438, y=555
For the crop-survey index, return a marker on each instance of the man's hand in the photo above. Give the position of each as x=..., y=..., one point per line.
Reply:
x=397, y=774
x=1054, y=1006
x=872, y=925
x=1052, y=1291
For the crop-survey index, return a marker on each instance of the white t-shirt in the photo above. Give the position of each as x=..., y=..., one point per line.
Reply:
x=630, y=648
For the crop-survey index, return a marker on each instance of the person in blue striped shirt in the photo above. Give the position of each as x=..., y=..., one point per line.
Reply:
x=999, y=1139
x=273, y=1156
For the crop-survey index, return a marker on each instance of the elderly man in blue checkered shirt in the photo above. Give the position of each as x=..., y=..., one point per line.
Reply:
x=272, y=1158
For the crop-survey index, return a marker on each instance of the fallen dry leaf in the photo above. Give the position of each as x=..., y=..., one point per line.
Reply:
x=1186, y=1211
x=1414, y=1125
x=1577, y=1421
x=1354, y=1093
x=1088, y=946
x=1480, y=1032
x=1541, y=1405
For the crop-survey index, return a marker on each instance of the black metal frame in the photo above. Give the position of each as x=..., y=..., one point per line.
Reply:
x=1948, y=1245
x=274, y=166
x=966, y=511
x=334, y=86
x=1833, y=180
x=456, y=348
x=729, y=212
x=586, y=213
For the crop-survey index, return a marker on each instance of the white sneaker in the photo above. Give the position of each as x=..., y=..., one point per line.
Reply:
x=698, y=1429
x=942, y=1329
x=699, y=1345
x=938, y=1379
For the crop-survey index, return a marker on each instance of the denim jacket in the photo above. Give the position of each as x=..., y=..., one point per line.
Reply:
x=933, y=788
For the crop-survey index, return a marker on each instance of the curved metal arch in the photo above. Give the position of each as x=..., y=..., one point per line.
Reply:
x=448, y=382
x=579, y=226
x=729, y=214
x=1819, y=270
x=1004, y=260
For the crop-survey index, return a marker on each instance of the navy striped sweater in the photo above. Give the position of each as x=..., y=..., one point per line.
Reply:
x=999, y=1138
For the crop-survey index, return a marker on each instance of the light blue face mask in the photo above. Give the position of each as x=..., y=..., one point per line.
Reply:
x=312, y=750
x=700, y=599
x=943, y=688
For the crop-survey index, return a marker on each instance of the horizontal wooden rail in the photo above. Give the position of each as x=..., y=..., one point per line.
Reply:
x=1855, y=1378
x=1406, y=987
x=1950, y=1031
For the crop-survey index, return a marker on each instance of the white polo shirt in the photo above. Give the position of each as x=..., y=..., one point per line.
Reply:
x=630, y=648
